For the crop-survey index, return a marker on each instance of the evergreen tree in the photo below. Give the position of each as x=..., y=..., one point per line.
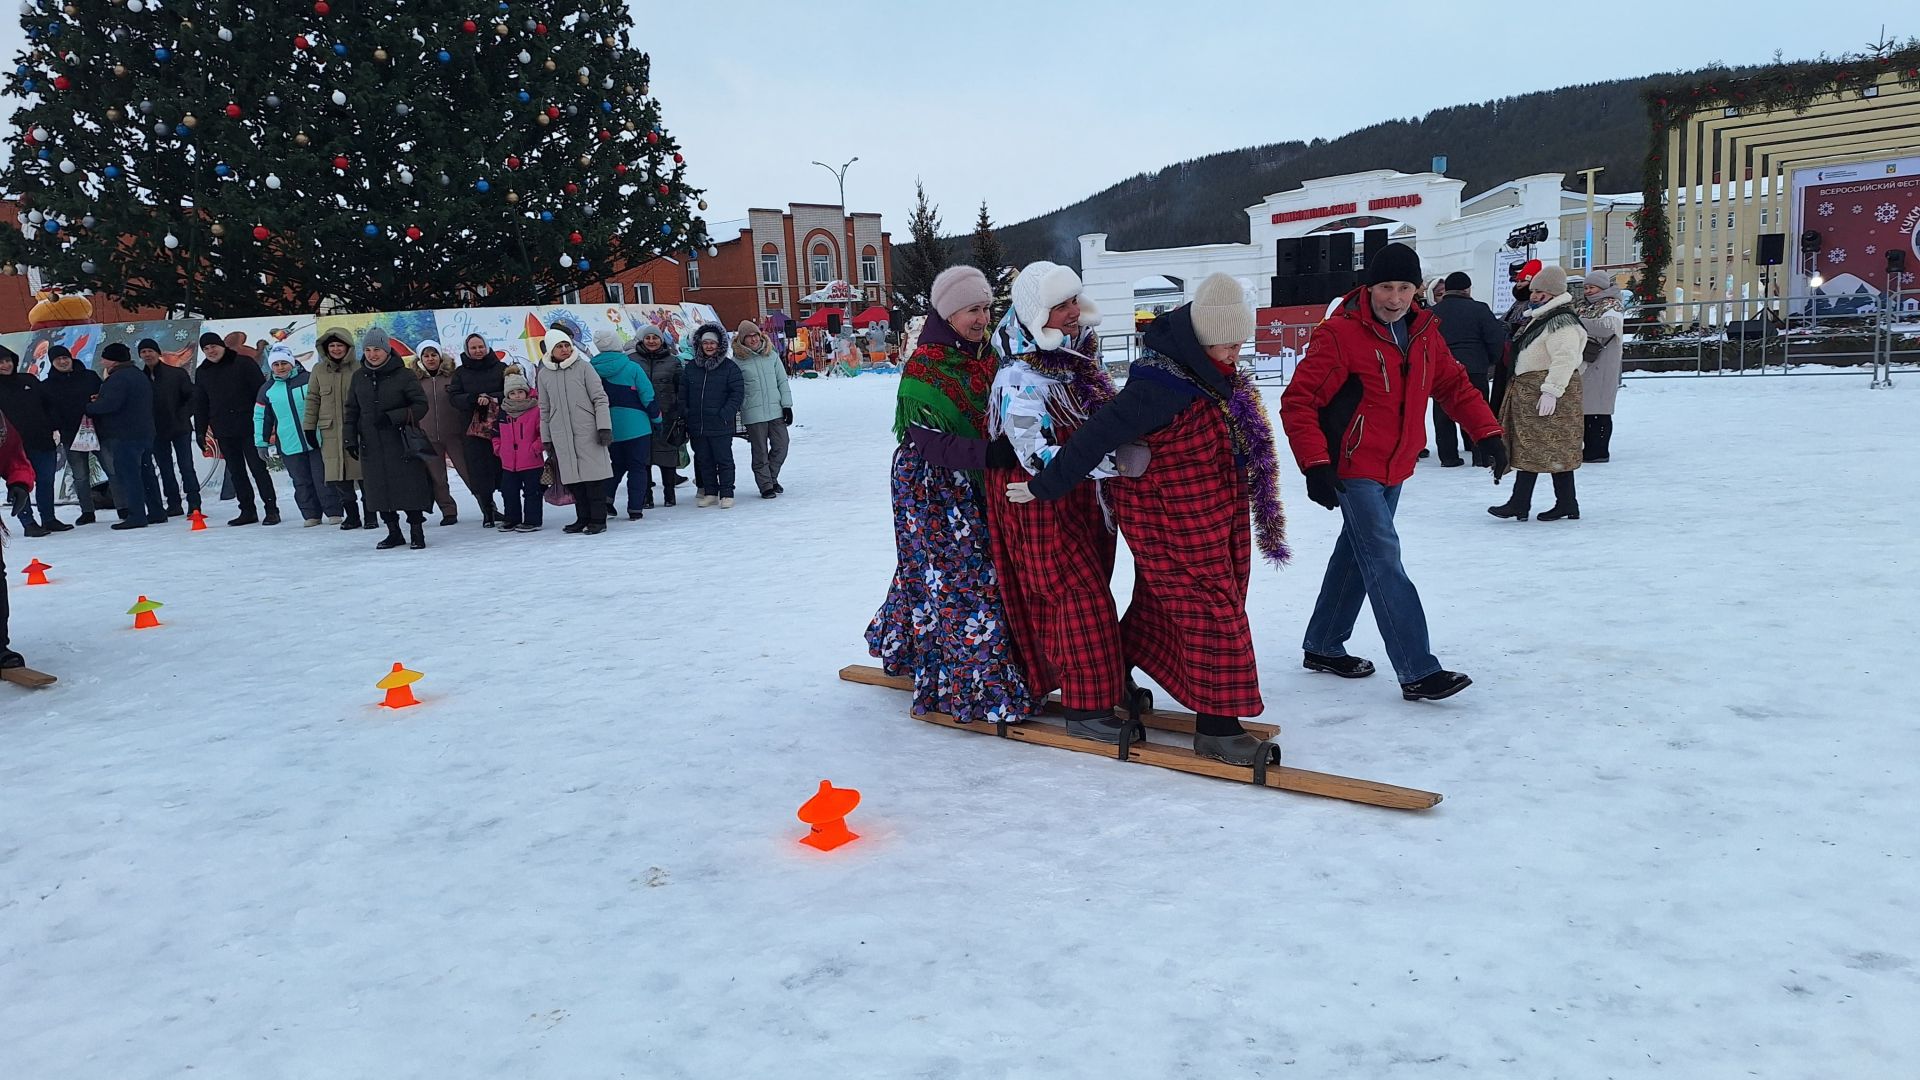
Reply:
x=992, y=262
x=228, y=158
x=922, y=259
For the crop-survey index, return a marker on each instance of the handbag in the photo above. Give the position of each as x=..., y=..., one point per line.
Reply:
x=677, y=431
x=418, y=445
x=485, y=423
x=86, y=440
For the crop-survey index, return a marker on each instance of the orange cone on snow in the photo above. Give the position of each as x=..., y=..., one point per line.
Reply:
x=199, y=521
x=398, y=684
x=37, y=572
x=827, y=812
x=143, y=613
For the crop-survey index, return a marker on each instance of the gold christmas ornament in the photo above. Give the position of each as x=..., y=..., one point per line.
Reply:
x=543, y=120
x=190, y=120
x=583, y=80
x=114, y=115
x=513, y=198
x=551, y=66
x=586, y=160
x=301, y=139
x=380, y=55
x=120, y=71
x=630, y=126
x=500, y=29
x=218, y=229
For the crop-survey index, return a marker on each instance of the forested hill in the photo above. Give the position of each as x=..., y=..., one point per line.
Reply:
x=1203, y=201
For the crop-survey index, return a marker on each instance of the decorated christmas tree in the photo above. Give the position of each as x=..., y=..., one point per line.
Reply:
x=221, y=157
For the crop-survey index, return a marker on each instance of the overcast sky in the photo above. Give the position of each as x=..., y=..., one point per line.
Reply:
x=1035, y=104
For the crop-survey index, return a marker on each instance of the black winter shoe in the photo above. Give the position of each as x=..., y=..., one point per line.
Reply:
x=635, y=515
x=273, y=516
x=1440, y=684
x=174, y=511
x=418, y=539
x=84, y=519
x=393, y=539
x=575, y=528
x=1508, y=510
x=449, y=519
x=1425, y=454
x=55, y=525
x=1347, y=667
x=594, y=530
x=1451, y=463
x=371, y=522
x=122, y=526
x=1570, y=512
x=647, y=504
x=669, y=499
x=1099, y=725
x=770, y=493
x=247, y=517
x=778, y=490
x=1241, y=749
x=353, y=518
x=35, y=530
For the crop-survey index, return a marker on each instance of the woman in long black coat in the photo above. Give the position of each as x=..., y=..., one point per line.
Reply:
x=653, y=353
x=383, y=401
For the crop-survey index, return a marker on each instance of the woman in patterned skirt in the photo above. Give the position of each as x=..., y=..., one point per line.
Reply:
x=942, y=622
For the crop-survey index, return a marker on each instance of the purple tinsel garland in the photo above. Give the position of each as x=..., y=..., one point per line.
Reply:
x=1248, y=417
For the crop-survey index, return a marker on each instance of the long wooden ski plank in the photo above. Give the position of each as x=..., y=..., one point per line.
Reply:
x=1158, y=719
x=27, y=677
x=1284, y=777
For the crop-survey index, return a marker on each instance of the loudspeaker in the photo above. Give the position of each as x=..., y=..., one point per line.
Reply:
x=833, y=322
x=1371, y=242
x=1314, y=255
x=1340, y=252
x=1282, y=292
x=1286, y=256
x=1772, y=249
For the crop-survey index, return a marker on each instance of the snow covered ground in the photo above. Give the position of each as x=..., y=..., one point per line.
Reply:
x=1677, y=839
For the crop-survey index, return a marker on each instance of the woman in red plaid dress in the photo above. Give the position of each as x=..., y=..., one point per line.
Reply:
x=1185, y=518
x=1055, y=559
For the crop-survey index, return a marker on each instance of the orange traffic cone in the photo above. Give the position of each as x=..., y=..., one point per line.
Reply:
x=143, y=613
x=398, y=684
x=37, y=572
x=827, y=812
x=199, y=521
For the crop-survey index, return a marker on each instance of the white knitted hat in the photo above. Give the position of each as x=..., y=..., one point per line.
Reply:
x=1221, y=315
x=1035, y=292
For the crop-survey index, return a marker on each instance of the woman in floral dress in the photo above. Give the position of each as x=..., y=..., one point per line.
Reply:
x=943, y=622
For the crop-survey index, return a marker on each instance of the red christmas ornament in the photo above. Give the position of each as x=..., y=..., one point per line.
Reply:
x=664, y=190
x=678, y=160
x=260, y=232
x=234, y=110
x=553, y=112
x=300, y=42
x=414, y=233
x=340, y=162
x=321, y=7
x=572, y=188
x=540, y=28
x=605, y=134
x=470, y=26
x=513, y=161
x=61, y=82
x=575, y=238
x=620, y=169
x=30, y=142
x=653, y=136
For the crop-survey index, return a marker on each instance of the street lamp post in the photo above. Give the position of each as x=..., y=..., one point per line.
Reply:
x=840, y=174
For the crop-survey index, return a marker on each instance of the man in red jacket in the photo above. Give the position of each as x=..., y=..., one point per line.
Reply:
x=16, y=475
x=1356, y=415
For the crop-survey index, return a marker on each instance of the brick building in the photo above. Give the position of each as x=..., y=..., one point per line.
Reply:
x=17, y=291
x=765, y=263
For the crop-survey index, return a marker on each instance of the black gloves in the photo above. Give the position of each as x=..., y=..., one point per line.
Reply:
x=353, y=450
x=17, y=499
x=1495, y=451
x=604, y=437
x=1324, y=486
x=1000, y=455
x=786, y=417
x=313, y=437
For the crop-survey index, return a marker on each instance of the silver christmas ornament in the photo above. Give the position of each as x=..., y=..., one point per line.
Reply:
x=170, y=240
x=273, y=182
x=87, y=267
x=273, y=101
x=339, y=97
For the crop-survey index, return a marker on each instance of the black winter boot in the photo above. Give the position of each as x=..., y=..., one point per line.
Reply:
x=1518, y=506
x=417, y=537
x=393, y=538
x=1440, y=684
x=247, y=517
x=1347, y=667
x=352, y=520
x=1099, y=725
x=1564, y=503
x=273, y=516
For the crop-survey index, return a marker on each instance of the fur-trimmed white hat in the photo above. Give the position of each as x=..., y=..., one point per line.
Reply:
x=1221, y=314
x=1035, y=292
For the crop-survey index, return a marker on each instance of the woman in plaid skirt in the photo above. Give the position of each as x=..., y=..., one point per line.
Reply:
x=942, y=622
x=1186, y=517
x=1055, y=559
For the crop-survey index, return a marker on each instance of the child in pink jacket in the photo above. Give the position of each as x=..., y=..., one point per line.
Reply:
x=521, y=458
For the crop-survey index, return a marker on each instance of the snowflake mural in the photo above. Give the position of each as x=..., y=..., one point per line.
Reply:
x=1885, y=212
x=1873, y=249
x=1858, y=208
x=1825, y=210
x=1837, y=256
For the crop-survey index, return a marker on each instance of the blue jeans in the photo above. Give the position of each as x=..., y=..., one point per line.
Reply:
x=631, y=458
x=311, y=492
x=1365, y=565
x=46, y=476
x=135, y=485
x=174, y=453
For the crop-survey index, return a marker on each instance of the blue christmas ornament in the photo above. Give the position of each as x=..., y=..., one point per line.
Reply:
x=53, y=29
x=606, y=106
x=339, y=48
x=585, y=265
x=481, y=185
x=51, y=226
x=45, y=154
x=113, y=172
x=665, y=229
x=162, y=54
x=182, y=130
x=371, y=230
x=221, y=169
x=21, y=71
x=27, y=86
x=444, y=56
x=546, y=215
x=524, y=96
x=503, y=5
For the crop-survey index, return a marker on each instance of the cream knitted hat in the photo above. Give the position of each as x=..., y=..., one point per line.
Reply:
x=1221, y=315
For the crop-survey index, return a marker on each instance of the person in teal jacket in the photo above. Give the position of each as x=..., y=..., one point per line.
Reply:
x=630, y=399
x=767, y=408
x=277, y=413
